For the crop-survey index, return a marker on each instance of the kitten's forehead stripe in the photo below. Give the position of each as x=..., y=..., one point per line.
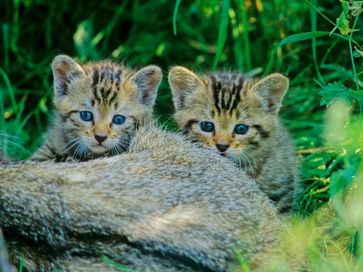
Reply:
x=226, y=91
x=113, y=97
x=95, y=76
x=118, y=77
x=106, y=96
x=215, y=88
x=103, y=73
x=237, y=93
x=96, y=97
x=106, y=82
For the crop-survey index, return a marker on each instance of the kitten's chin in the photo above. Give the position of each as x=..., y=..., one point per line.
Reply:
x=223, y=154
x=98, y=149
x=229, y=154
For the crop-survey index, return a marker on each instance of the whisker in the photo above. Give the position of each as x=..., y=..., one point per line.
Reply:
x=248, y=165
x=249, y=156
x=114, y=150
x=71, y=144
x=119, y=148
x=84, y=150
x=77, y=151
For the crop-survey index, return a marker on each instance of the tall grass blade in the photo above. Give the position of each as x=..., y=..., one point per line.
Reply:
x=222, y=32
x=319, y=11
x=310, y=35
x=246, y=39
x=9, y=88
x=175, y=13
x=302, y=37
x=313, y=19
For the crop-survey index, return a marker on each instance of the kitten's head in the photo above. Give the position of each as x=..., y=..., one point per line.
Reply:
x=227, y=112
x=100, y=104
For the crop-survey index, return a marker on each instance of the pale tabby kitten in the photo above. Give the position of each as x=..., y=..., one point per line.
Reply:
x=97, y=108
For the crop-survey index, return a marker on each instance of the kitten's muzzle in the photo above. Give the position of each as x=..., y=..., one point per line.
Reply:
x=222, y=147
x=100, y=138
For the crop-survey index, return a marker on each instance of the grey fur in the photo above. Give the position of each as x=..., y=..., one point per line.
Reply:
x=167, y=205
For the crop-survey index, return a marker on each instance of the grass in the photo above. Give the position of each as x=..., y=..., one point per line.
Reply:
x=315, y=43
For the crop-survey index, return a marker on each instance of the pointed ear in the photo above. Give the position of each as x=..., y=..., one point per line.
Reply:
x=271, y=90
x=148, y=80
x=65, y=69
x=183, y=83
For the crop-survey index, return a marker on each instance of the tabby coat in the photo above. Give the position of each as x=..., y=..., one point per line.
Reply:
x=237, y=117
x=97, y=108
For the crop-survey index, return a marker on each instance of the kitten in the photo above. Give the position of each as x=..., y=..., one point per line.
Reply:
x=237, y=117
x=97, y=108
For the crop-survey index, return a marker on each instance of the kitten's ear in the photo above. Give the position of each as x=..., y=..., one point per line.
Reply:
x=65, y=69
x=271, y=91
x=183, y=83
x=148, y=80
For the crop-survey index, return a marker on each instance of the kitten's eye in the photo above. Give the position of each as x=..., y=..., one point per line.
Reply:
x=207, y=126
x=86, y=116
x=118, y=119
x=241, y=129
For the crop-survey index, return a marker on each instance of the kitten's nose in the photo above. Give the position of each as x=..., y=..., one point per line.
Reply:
x=222, y=147
x=100, y=138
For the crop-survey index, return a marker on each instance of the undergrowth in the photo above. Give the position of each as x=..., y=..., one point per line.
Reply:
x=316, y=43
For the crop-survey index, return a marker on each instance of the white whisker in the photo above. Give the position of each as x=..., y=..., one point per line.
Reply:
x=72, y=143
x=84, y=150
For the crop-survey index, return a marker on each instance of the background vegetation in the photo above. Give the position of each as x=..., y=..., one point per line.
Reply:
x=316, y=43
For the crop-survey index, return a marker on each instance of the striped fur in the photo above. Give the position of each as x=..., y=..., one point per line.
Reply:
x=105, y=89
x=227, y=99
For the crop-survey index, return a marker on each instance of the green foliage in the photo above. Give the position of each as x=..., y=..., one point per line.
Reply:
x=343, y=19
x=337, y=90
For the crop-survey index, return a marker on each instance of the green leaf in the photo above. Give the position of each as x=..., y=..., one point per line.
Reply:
x=302, y=37
x=341, y=179
x=84, y=44
x=343, y=19
x=310, y=35
x=222, y=33
x=337, y=90
x=356, y=8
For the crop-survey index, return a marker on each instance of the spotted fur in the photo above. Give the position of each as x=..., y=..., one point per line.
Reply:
x=227, y=99
x=105, y=89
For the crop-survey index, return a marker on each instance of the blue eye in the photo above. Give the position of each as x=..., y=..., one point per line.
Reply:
x=86, y=116
x=241, y=129
x=118, y=119
x=207, y=126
